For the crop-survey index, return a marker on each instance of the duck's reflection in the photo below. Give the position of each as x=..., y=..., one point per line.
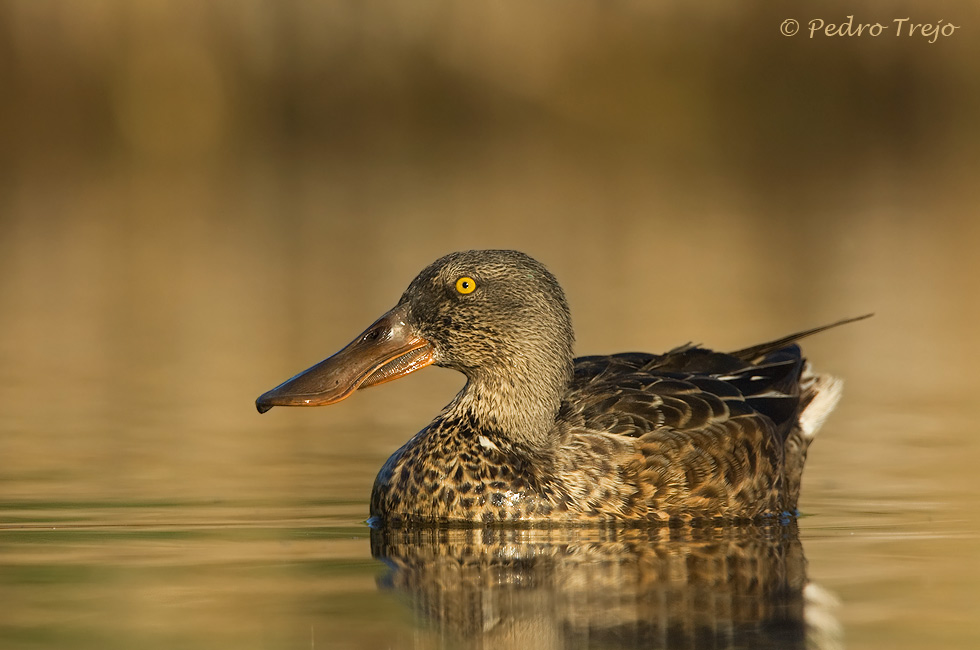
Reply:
x=625, y=587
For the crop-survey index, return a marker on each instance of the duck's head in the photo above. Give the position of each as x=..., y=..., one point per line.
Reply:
x=499, y=317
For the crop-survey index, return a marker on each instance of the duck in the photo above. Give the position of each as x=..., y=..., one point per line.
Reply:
x=538, y=436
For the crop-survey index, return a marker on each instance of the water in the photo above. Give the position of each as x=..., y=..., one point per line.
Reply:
x=301, y=571
x=197, y=201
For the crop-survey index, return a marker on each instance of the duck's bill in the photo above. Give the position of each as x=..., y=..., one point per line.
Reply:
x=387, y=350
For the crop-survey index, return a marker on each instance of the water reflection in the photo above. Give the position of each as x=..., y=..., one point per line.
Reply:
x=611, y=587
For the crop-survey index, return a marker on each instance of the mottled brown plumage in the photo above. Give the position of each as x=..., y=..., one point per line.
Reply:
x=536, y=435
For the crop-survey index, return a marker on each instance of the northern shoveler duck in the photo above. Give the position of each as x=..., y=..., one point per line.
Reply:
x=537, y=435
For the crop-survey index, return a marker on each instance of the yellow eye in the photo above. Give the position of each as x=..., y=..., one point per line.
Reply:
x=465, y=284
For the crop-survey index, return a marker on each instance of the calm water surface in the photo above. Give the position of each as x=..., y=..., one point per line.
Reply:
x=882, y=566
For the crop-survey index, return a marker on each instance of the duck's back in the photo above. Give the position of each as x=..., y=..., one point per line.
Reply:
x=715, y=435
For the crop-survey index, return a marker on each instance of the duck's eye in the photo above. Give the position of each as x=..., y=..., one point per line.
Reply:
x=465, y=284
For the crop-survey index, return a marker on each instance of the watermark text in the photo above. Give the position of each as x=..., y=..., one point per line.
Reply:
x=899, y=27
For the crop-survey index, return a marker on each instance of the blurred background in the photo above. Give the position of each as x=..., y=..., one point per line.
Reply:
x=200, y=199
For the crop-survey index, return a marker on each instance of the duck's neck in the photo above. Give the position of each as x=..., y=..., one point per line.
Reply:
x=519, y=399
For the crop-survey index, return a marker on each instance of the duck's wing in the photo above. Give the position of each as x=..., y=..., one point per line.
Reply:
x=691, y=387
x=703, y=432
x=684, y=390
x=713, y=433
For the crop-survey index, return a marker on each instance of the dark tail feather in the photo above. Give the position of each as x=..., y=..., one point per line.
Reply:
x=757, y=351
